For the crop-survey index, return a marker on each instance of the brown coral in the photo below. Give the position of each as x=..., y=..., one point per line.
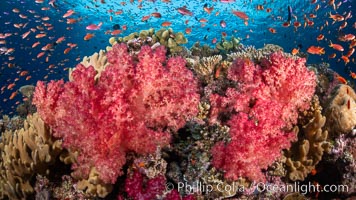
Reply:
x=94, y=186
x=24, y=153
x=308, y=151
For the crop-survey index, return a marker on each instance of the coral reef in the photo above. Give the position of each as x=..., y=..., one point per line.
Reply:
x=10, y=124
x=340, y=112
x=205, y=67
x=136, y=121
x=132, y=104
x=343, y=155
x=203, y=51
x=26, y=107
x=226, y=46
x=166, y=37
x=304, y=155
x=24, y=153
x=93, y=185
x=97, y=60
x=153, y=187
x=256, y=55
x=266, y=105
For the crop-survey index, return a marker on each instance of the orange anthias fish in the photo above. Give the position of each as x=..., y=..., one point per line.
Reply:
x=68, y=13
x=336, y=17
x=188, y=30
x=208, y=10
x=320, y=37
x=166, y=23
x=341, y=79
x=336, y=46
x=272, y=30
x=156, y=14
x=240, y=14
x=353, y=75
x=345, y=59
x=88, y=36
x=316, y=50
x=295, y=51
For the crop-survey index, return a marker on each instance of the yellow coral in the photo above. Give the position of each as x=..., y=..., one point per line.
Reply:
x=97, y=60
x=94, y=186
x=308, y=151
x=24, y=153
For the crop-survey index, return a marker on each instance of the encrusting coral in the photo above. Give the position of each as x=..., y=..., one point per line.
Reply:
x=132, y=107
x=308, y=151
x=340, y=113
x=24, y=153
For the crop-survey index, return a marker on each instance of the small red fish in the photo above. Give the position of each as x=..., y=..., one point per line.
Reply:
x=145, y=18
x=350, y=52
x=345, y=59
x=295, y=51
x=272, y=30
x=353, y=75
x=184, y=11
x=214, y=40
x=240, y=14
x=67, y=50
x=222, y=23
x=39, y=55
x=68, y=13
x=94, y=27
x=336, y=17
x=320, y=37
x=13, y=95
x=41, y=35
x=116, y=32
x=88, y=36
x=316, y=50
x=59, y=40
x=336, y=46
x=208, y=10
x=341, y=79
x=188, y=30
x=156, y=14
x=166, y=23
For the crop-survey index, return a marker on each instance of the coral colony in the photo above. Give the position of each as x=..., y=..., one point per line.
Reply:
x=150, y=119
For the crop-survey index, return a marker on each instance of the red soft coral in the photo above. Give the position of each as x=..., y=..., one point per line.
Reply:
x=129, y=108
x=138, y=189
x=264, y=104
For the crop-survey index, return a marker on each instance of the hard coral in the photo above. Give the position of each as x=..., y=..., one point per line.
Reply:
x=130, y=107
x=263, y=105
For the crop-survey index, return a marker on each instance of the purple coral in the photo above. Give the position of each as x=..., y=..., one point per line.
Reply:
x=130, y=108
x=263, y=106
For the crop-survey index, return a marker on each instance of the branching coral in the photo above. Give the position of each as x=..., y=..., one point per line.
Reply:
x=130, y=108
x=25, y=152
x=263, y=105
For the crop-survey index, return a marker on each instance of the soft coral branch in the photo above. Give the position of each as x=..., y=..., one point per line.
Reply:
x=130, y=108
x=264, y=104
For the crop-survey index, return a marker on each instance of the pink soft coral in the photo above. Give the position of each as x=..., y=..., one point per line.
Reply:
x=264, y=104
x=131, y=107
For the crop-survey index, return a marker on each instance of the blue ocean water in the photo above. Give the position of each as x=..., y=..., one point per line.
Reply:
x=42, y=16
